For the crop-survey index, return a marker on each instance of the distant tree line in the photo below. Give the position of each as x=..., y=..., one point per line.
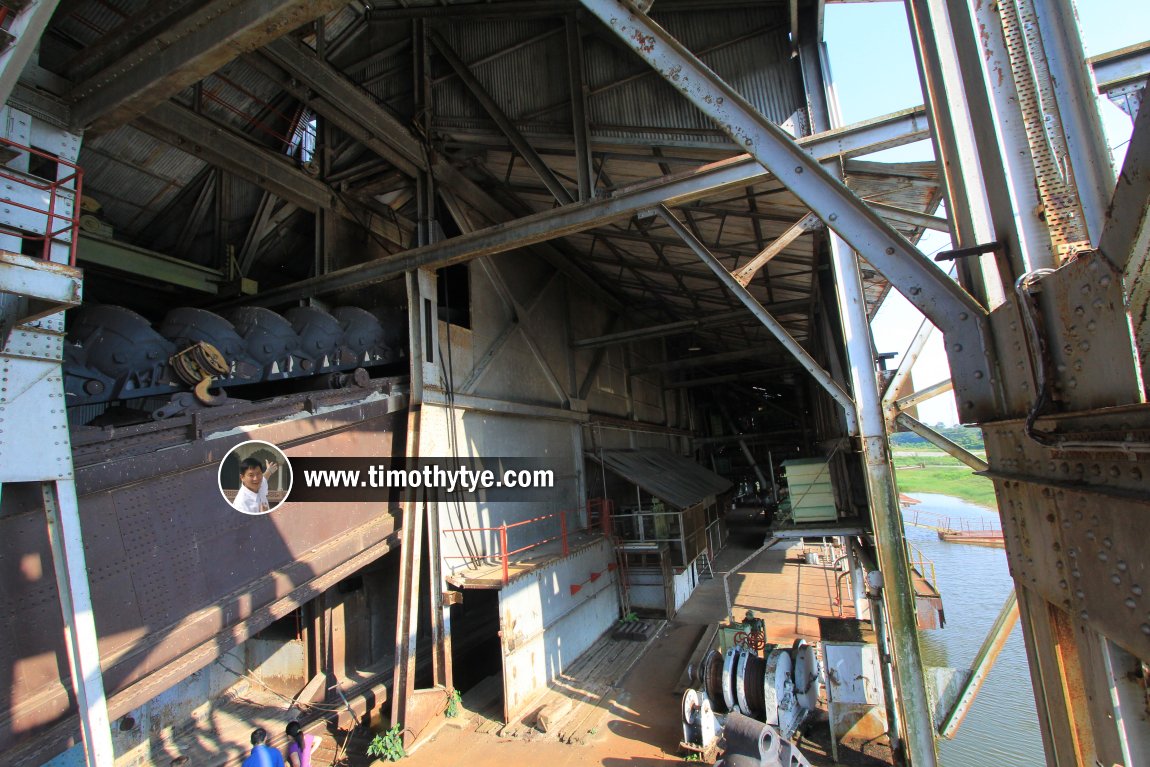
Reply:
x=966, y=436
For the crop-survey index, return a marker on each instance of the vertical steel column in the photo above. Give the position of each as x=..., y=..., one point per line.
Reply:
x=954, y=146
x=584, y=170
x=1004, y=150
x=37, y=448
x=943, y=137
x=858, y=581
x=912, y=703
x=1076, y=94
x=886, y=513
x=63, y=513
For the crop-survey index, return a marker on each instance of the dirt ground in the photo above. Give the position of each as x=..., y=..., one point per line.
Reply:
x=641, y=729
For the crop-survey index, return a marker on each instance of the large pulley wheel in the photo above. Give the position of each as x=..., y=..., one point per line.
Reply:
x=691, y=707
x=775, y=675
x=711, y=676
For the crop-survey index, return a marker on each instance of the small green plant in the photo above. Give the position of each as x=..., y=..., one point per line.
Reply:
x=388, y=746
x=630, y=618
x=693, y=757
x=453, y=703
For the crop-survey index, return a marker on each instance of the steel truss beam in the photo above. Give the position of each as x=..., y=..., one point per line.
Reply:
x=203, y=138
x=892, y=130
x=505, y=123
x=1121, y=75
x=807, y=223
x=938, y=297
x=348, y=106
x=185, y=53
x=812, y=366
x=686, y=326
x=941, y=442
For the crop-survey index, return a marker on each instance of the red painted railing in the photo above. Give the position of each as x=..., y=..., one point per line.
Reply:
x=67, y=223
x=598, y=516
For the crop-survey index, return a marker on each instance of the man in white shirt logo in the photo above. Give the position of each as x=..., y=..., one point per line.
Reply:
x=252, y=497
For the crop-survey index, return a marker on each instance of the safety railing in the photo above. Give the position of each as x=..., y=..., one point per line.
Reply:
x=54, y=194
x=598, y=517
x=923, y=565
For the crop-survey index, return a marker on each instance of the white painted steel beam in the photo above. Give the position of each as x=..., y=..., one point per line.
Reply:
x=776, y=329
x=922, y=395
x=1123, y=67
x=987, y=654
x=1003, y=147
x=26, y=28
x=1126, y=237
x=183, y=54
x=924, y=285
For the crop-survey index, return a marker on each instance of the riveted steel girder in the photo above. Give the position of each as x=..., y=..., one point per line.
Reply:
x=951, y=308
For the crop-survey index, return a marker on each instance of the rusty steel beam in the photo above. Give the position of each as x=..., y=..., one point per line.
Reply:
x=824, y=379
x=807, y=223
x=891, y=130
x=941, y=442
x=184, y=54
x=983, y=662
x=347, y=106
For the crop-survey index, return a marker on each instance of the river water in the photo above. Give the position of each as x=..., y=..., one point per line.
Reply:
x=1001, y=728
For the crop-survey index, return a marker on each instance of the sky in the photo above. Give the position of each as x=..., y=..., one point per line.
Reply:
x=873, y=68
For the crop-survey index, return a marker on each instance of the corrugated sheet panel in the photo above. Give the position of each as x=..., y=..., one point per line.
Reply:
x=748, y=49
x=247, y=101
x=133, y=175
x=679, y=481
x=530, y=77
x=87, y=22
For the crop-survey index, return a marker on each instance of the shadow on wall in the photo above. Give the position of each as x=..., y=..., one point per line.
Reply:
x=174, y=572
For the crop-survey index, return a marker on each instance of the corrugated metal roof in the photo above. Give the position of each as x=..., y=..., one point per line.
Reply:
x=679, y=481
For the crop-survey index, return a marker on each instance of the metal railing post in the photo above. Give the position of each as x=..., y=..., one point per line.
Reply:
x=503, y=550
x=563, y=530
